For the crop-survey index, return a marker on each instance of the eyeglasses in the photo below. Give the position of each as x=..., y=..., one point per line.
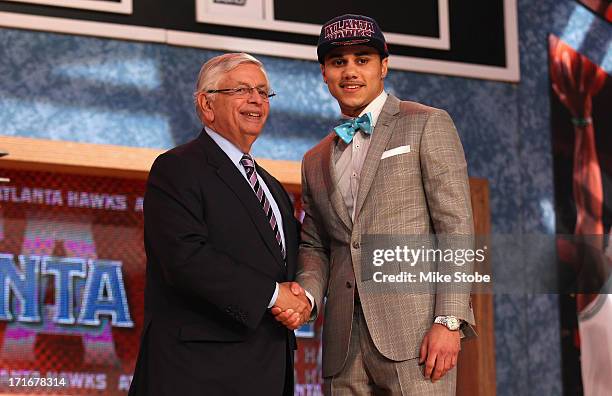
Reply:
x=245, y=92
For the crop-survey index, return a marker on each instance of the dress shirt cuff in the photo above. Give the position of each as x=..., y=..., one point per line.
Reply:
x=310, y=298
x=274, y=297
x=313, y=311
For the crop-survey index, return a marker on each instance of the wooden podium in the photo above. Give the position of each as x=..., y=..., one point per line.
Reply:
x=476, y=366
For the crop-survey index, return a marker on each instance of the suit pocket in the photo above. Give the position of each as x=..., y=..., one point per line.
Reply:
x=395, y=151
x=208, y=332
x=400, y=164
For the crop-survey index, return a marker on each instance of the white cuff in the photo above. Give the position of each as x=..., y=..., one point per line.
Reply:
x=274, y=297
x=310, y=298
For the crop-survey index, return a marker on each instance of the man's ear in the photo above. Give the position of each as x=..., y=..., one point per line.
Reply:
x=206, y=108
x=323, y=74
x=384, y=67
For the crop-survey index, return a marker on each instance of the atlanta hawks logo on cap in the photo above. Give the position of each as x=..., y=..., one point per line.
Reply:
x=351, y=29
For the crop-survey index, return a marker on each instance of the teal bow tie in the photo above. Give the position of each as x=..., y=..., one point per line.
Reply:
x=347, y=130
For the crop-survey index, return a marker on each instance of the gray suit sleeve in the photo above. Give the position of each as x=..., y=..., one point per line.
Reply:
x=313, y=258
x=447, y=190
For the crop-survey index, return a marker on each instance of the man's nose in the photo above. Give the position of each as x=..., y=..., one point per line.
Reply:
x=254, y=96
x=349, y=71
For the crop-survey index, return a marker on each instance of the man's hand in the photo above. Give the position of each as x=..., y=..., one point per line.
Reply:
x=439, y=351
x=293, y=309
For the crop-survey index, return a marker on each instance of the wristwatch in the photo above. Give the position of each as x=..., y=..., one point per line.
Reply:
x=451, y=322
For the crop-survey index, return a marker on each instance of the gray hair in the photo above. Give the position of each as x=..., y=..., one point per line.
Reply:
x=213, y=70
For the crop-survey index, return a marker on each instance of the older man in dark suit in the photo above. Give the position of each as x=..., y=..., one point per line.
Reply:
x=221, y=244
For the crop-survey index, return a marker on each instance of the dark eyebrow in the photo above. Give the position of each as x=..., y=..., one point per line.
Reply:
x=356, y=54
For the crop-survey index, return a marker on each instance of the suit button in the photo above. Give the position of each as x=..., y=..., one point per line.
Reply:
x=348, y=285
x=356, y=244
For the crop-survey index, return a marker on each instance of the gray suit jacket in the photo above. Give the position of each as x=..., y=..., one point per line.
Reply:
x=423, y=192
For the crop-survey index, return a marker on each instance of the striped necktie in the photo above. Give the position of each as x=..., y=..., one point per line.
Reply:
x=249, y=166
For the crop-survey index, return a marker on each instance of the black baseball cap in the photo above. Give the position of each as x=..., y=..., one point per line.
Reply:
x=351, y=29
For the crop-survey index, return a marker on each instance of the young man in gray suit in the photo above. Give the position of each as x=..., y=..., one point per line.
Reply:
x=395, y=167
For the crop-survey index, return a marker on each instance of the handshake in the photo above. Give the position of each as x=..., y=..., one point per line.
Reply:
x=292, y=307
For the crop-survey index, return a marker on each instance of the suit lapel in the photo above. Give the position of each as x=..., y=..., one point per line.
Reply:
x=235, y=181
x=380, y=137
x=329, y=174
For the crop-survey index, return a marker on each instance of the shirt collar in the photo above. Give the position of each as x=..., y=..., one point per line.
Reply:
x=375, y=107
x=233, y=152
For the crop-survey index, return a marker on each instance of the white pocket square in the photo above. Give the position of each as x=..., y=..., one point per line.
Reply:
x=395, y=151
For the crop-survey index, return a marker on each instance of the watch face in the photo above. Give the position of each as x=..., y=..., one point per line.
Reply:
x=452, y=323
